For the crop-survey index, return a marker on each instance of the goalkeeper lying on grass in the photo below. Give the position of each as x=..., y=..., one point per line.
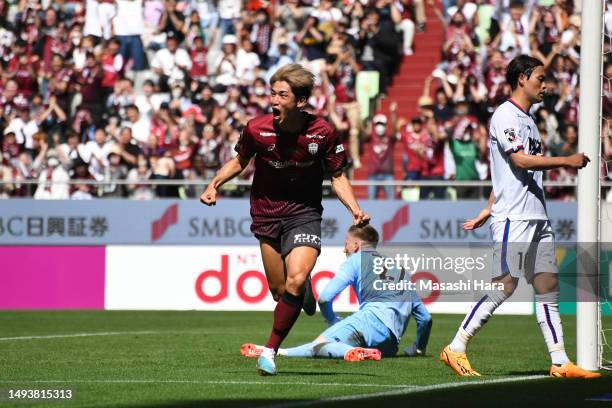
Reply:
x=375, y=330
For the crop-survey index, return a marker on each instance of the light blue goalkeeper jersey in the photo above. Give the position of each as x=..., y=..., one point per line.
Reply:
x=392, y=308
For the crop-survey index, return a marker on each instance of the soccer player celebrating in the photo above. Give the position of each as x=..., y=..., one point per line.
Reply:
x=522, y=234
x=292, y=151
x=376, y=329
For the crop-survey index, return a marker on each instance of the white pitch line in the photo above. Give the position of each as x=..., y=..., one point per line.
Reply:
x=62, y=336
x=211, y=382
x=404, y=391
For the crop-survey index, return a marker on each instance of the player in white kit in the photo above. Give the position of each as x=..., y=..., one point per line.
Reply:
x=522, y=235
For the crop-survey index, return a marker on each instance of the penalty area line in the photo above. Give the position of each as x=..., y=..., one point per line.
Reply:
x=404, y=391
x=204, y=382
x=65, y=336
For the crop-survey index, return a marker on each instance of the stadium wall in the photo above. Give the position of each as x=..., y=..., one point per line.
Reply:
x=179, y=255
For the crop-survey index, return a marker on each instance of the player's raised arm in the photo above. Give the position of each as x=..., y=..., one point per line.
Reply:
x=344, y=190
x=531, y=162
x=229, y=170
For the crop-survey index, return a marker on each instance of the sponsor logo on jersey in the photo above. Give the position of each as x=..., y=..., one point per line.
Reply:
x=535, y=146
x=510, y=135
x=309, y=136
x=290, y=163
x=267, y=134
x=313, y=148
x=339, y=148
x=307, y=239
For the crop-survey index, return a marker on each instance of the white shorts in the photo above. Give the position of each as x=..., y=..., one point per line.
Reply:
x=523, y=248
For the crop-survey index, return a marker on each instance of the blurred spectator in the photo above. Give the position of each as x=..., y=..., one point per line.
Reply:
x=112, y=65
x=80, y=172
x=98, y=16
x=382, y=145
x=261, y=34
x=172, y=21
x=229, y=13
x=148, y=101
x=23, y=67
x=89, y=84
x=199, y=65
x=377, y=40
x=206, y=102
x=53, y=180
x=342, y=73
x=122, y=97
x=423, y=157
x=210, y=150
x=126, y=149
x=291, y=15
x=227, y=64
x=312, y=40
x=466, y=151
x=165, y=127
x=7, y=177
x=71, y=150
x=23, y=125
x=115, y=171
x=247, y=62
x=171, y=63
x=183, y=153
x=140, y=125
x=163, y=168
x=515, y=29
x=142, y=172
x=96, y=153
x=415, y=139
x=129, y=26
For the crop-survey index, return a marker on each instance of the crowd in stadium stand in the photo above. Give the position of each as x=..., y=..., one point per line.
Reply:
x=449, y=137
x=138, y=90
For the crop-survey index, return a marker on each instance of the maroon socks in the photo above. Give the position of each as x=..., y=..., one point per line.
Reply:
x=286, y=313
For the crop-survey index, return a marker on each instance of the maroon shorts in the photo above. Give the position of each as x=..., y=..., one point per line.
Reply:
x=289, y=233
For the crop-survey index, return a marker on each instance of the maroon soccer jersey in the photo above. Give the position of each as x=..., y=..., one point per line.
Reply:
x=289, y=168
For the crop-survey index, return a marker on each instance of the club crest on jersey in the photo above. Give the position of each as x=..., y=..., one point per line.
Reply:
x=313, y=148
x=510, y=135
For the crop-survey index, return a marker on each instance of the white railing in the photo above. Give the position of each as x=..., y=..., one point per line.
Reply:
x=395, y=183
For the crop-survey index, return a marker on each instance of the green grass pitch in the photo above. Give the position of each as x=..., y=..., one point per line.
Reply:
x=192, y=359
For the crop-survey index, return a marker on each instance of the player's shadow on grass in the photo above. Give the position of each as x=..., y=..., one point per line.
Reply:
x=314, y=373
x=529, y=372
x=215, y=403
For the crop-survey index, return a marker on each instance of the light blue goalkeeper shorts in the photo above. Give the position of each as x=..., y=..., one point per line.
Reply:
x=363, y=329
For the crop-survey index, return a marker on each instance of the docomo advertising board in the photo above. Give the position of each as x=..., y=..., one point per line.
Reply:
x=201, y=278
x=224, y=278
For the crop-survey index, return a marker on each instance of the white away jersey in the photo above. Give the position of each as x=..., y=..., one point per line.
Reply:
x=519, y=194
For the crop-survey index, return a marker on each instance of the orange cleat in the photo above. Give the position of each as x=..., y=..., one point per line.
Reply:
x=251, y=350
x=360, y=354
x=570, y=370
x=458, y=362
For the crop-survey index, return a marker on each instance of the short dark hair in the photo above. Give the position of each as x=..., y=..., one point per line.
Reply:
x=523, y=64
x=366, y=233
